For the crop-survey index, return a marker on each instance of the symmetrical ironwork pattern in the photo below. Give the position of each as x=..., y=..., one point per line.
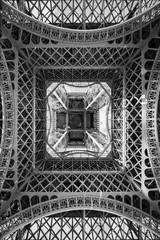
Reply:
x=153, y=96
x=8, y=126
x=122, y=186
x=133, y=108
x=99, y=227
x=87, y=14
x=72, y=203
x=21, y=21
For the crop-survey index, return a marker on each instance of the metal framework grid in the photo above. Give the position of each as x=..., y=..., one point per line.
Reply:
x=106, y=203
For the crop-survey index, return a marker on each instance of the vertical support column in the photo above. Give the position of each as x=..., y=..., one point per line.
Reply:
x=40, y=17
x=83, y=224
x=84, y=14
x=124, y=119
x=140, y=6
x=72, y=228
x=140, y=233
x=21, y=5
x=73, y=11
x=123, y=7
x=61, y=235
x=102, y=17
x=34, y=117
x=102, y=227
x=20, y=234
x=61, y=13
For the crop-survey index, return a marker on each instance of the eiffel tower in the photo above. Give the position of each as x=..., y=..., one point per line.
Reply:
x=80, y=120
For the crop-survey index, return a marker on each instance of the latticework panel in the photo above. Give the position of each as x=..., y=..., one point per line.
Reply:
x=77, y=165
x=79, y=182
x=83, y=14
x=76, y=57
x=7, y=106
x=53, y=207
x=25, y=143
x=133, y=116
x=79, y=225
x=25, y=28
x=118, y=119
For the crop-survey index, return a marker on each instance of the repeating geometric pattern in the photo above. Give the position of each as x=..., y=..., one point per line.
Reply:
x=153, y=143
x=7, y=162
x=134, y=119
x=129, y=175
x=79, y=182
x=56, y=206
x=25, y=144
x=84, y=14
x=118, y=123
x=78, y=57
x=25, y=28
x=92, y=225
x=103, y=164
x=85, y=76
x=7, y=127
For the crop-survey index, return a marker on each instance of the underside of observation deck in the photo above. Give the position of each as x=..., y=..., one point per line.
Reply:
x=80, y=120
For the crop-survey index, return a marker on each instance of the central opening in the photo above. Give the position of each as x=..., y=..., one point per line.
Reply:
x=76, y=120
x=79, y=120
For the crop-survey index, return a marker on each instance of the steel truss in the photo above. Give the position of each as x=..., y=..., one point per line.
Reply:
x=93, y=204
x=124, y=186
x=83, y=14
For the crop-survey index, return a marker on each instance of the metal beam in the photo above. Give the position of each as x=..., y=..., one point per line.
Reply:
x=60, y=100
x=60, y=82
x=54, y=150
x=56, y=144
x=94, y=99
x=94, y=140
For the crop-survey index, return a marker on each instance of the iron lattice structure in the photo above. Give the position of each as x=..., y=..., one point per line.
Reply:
x=80, y=44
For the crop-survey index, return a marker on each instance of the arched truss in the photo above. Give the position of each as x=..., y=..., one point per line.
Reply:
x=69, y=35
x=84, y=14
x=34, y=51
x=79, y=203
x=85, y=224
x=8, y=126
x=152, y=109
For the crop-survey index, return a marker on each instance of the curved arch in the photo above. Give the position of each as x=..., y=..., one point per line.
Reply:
x=49, y=110
x=8, y=117
x=74, y=152
x=75, y=203
x=152, y=102
x=79, y=84
x=34, y=26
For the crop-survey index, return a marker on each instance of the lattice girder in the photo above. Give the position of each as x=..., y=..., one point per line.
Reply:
x=7, y=127
x=80, y=203
x=83, y=14
x=129, y=31
x=100, y=226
